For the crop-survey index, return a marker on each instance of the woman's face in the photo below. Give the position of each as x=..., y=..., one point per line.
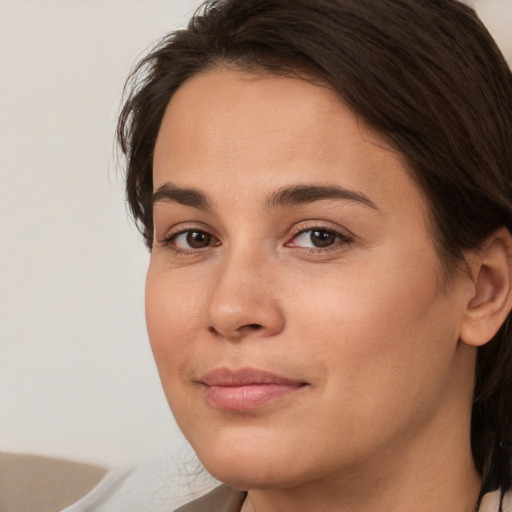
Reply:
x=294, y=299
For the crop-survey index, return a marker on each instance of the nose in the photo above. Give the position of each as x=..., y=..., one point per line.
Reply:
x=244, y=301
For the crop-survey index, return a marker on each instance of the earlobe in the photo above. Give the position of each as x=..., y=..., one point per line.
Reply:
x=491, y=299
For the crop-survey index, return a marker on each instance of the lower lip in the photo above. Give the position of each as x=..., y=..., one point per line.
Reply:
x=247, y=397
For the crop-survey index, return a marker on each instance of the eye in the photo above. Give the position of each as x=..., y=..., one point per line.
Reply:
x=191, y=239
x=318, y=238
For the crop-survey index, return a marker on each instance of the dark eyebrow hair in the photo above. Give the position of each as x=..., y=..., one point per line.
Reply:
x=300, y=194
x=286, y=197
x=186, y=196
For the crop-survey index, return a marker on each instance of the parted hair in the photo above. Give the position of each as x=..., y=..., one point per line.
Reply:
x=425, y=74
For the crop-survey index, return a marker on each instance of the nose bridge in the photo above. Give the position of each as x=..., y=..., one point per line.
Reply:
x=244, y=298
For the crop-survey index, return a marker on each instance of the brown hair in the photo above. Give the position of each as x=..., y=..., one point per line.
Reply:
x=425, y=73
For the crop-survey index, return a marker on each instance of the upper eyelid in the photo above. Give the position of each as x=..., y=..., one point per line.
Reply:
x=342, y=237
x=304, y=226
x=320, y=228
x=183, y=227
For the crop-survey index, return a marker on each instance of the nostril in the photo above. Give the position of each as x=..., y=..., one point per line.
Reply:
x=254, y=326
x=238, y=331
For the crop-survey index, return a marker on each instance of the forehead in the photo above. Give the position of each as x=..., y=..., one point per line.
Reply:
x=267, y=131
x=228, y=114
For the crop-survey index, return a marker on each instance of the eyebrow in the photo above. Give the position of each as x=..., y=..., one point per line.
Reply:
x=284, y=197
x=302, y=194
x=170, y=193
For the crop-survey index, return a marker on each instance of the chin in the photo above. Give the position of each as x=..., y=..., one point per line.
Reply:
x=259, y=463
x=248, y=476
x=247, y=466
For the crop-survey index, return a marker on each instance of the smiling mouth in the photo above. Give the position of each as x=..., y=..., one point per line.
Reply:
x=247, y=388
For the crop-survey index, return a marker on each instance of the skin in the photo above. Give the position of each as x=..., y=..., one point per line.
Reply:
x=365, y=323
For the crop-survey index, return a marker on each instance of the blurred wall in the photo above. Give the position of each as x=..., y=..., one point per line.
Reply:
x=497, y=15
x=76, y=373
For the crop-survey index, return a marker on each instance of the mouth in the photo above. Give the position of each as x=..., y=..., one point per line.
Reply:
x=246, y=388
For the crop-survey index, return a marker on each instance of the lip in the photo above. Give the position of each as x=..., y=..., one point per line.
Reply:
x=246, y=388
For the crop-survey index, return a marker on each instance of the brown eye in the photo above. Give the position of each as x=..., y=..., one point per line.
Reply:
x=192, y=239
x=319, y=238
x=198, y=239
x=322, y=238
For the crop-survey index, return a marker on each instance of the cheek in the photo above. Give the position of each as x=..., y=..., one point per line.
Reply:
x=172, y=316
x=381, y=333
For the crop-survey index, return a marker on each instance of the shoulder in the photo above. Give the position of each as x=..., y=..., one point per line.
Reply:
x=52, y=483
x=221, y=499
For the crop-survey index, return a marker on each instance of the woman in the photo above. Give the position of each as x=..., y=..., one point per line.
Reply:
x=325, y=188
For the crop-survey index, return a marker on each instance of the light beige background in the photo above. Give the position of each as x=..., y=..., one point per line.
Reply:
x=76, y=373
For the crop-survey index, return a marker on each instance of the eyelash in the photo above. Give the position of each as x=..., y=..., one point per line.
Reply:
x=341, y=239
x=168, y=241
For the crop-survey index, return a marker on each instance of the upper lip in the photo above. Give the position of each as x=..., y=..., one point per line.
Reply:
x=245, y=377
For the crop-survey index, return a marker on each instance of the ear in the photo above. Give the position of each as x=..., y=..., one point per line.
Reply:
x=491, y=300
